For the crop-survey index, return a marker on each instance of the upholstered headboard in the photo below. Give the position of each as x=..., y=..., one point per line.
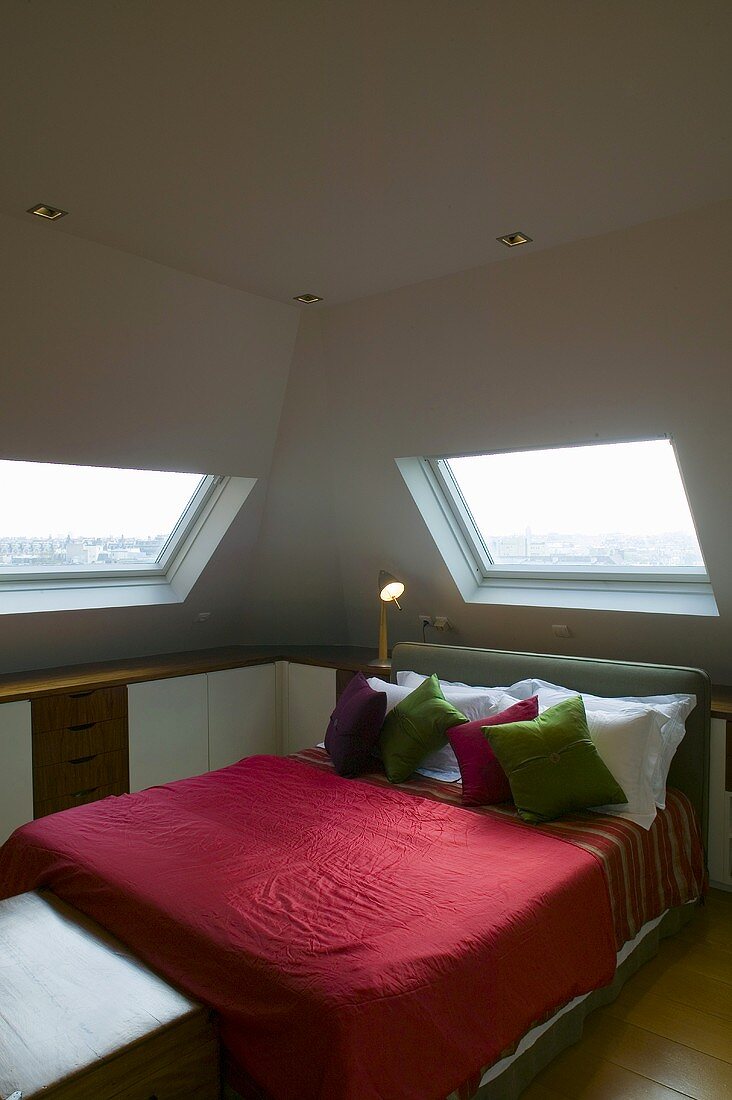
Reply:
x=690, y=767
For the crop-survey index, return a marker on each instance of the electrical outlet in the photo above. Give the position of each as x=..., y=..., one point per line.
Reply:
x=426, y=620
x=442, y=623
x=561, y=630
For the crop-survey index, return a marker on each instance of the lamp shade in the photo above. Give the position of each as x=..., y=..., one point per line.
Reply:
x=390, y=589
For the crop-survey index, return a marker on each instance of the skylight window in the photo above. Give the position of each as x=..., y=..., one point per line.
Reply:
x=603, y=508
x=604, y=526
x=71, y=519
x=76, y=537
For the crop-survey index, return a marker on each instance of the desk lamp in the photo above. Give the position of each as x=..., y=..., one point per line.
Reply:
x=390, y=589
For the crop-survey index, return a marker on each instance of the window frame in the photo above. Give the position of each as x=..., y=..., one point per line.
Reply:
x=183, y=557
x=683, y=590
x=24, y=575
x=480, y=554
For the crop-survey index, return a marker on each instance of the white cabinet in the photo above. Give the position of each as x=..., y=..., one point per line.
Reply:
x=241, y=714
x=186, y=725
x=16, y=767
x=720, y=809
x=168, y=723
x=311, y=697
x=182, y=726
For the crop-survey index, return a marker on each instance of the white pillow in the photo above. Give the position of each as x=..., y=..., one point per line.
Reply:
x=672, y=710
x=472, y=702
x=394, y=693
x=441, y=765
x=628, y=742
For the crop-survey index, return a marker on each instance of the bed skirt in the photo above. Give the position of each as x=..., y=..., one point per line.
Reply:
x=566, y=1029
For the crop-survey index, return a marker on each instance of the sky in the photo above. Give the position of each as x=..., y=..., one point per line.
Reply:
x=38, y=499
x=632, y=488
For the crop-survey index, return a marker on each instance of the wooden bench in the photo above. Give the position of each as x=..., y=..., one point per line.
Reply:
x=82, y=1019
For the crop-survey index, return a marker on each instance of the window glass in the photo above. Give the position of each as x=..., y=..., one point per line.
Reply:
x=56, y=518
x=593, y=508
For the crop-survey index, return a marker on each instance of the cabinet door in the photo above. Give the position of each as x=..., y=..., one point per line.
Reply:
x=311, y=697
x=241, y=714
x=16, y=767
x=168, y=721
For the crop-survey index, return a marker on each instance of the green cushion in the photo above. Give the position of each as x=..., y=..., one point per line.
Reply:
x=415, y=728
x=552, y=765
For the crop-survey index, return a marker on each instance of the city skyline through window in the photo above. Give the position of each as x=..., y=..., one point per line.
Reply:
x=63, y=518
x=619, y=505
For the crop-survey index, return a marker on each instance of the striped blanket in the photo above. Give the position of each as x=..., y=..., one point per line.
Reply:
x=647, y=871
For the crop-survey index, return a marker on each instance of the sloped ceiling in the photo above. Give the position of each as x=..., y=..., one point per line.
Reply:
x=107, y=359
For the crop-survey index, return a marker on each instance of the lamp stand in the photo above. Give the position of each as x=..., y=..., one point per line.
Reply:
x=382, y=633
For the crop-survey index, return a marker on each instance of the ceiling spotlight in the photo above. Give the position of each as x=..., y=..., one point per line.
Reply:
x=512, y=239
x=51, y=213
x=308, y=299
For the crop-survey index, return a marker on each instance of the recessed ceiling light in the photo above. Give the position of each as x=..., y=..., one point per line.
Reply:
x=308, y=299
x=512, y=239
x=49, y=212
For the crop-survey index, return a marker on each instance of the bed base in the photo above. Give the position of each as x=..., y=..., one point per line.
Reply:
x=509, y=1083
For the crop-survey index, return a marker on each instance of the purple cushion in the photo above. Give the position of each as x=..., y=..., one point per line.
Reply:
x=354, y=727
x=484, y=780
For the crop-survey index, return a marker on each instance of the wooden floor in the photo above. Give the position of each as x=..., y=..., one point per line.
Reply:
x=669, y=1034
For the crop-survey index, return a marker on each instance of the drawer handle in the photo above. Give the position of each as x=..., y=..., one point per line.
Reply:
x=81, y=794
x=80, y=694
x=84, y=759
x=82, y=726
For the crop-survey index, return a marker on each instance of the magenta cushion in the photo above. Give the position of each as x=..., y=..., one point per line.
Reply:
x=484, y=780
x=354, y=727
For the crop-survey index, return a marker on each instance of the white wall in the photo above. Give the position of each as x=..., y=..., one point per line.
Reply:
x=625, y=335
x=109, y=359
x=297, y=570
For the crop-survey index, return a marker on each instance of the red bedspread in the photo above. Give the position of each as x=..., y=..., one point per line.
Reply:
x=646, y=871
x=358, y=942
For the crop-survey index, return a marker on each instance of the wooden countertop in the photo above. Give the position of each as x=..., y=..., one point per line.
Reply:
x=50, y=681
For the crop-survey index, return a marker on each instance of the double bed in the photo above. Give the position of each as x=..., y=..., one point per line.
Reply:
x=361, y=939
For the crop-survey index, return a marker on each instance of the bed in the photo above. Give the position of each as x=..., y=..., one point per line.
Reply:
x=364, y=940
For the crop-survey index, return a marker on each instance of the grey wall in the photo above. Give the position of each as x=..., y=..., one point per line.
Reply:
x=296, y=572
x=625, y=335
x=112, y=360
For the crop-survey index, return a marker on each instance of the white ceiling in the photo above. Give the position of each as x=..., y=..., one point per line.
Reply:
x=349, y=148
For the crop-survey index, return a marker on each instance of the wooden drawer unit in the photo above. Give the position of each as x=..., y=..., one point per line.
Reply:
x=75, y=776
x=79, y=798
x=82, y=1019
x=80, y=750
x=88, y=739
x=54, y=712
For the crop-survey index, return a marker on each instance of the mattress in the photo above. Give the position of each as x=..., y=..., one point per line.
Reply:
x=357, y=940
